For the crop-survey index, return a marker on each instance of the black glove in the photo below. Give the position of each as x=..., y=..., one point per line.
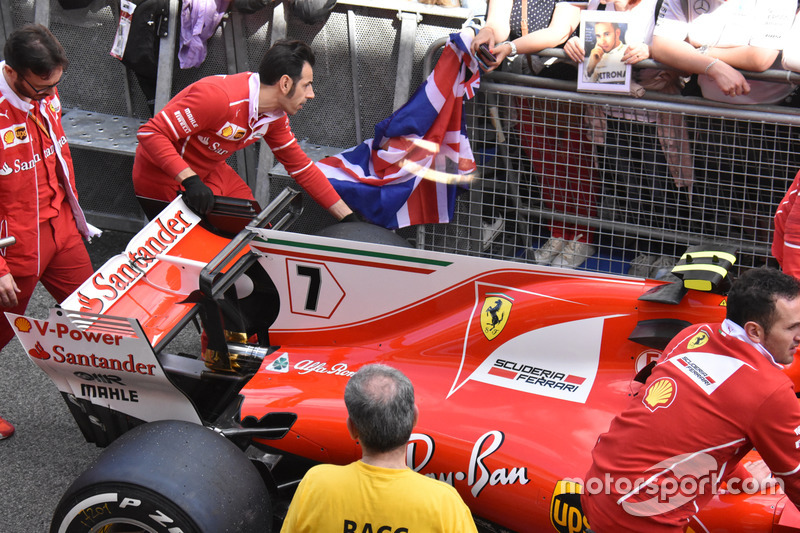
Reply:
x=197, y=195
x=352, y=217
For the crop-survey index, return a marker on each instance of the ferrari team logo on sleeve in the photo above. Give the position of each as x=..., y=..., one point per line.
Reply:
x=494, y=315
x=698, y=340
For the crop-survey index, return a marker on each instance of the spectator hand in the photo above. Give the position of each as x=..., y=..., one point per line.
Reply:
x=729, y=80
x=8, y=291
x=635, y=53
x=574, y=49
x=197, y=195
x=486, y=35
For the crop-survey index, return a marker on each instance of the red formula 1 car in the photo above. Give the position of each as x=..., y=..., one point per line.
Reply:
x=517, y=370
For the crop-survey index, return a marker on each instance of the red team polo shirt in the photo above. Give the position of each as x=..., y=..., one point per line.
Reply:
x=207, y=122
x=712, y=397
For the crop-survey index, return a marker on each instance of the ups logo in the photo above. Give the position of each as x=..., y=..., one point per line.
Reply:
x=21, y=133
x=566, y=513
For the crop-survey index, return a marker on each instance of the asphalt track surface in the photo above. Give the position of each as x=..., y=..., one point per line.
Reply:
x=48, y=451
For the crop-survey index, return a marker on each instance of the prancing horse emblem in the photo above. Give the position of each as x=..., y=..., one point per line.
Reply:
x=494, y=315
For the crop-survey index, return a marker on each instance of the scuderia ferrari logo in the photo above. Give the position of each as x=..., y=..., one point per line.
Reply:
x=494, y=314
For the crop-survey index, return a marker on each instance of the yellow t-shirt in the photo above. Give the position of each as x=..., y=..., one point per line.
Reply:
x=362, y=498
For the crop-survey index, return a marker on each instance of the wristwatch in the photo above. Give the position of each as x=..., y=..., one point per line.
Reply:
x=513, y=47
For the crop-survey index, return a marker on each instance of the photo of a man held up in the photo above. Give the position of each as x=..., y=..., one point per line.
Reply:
x=605, y=46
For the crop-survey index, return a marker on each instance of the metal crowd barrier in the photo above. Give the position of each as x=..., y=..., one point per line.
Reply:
x=542, y=165
x=555, y=161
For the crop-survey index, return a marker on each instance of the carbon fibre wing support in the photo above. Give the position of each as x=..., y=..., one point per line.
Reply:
x=221, y=272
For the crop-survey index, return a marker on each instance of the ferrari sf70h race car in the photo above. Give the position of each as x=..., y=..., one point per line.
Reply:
x=517, y=370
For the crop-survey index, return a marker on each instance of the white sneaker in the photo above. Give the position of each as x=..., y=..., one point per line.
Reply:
x=574, y=254
x=640, y=266
x=489, y=232
x=549, y=251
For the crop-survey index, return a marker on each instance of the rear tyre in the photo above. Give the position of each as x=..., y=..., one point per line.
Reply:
x=364, y=232
x=167, y=477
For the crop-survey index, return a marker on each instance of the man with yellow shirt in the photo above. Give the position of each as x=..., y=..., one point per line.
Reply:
x=379, y=492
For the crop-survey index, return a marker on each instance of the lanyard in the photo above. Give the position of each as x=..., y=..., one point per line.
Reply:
x=39, y=123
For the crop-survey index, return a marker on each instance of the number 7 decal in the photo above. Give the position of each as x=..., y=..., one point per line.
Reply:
x=313, y=289
x=313, y=273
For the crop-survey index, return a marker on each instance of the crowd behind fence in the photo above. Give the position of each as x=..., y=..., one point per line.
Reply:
x=551, y=159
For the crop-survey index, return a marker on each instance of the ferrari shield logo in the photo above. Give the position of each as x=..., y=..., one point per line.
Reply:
x=494, y=315
x=698, y=340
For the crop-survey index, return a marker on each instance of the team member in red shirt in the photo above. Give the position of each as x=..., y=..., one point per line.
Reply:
x=716, y=392
x=786, y=238
x=38, y=199
x=186, y=144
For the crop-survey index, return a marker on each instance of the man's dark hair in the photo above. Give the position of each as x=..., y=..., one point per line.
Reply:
x=380, y=402
x=34, y=48
x=285, y=57
x=614, y=25
x=752, y=296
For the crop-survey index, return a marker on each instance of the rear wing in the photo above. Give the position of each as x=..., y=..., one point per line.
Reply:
x=98, y=348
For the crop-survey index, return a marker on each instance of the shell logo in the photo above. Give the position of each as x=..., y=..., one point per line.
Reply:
x=8, y=137
x=660, y=393
x=227, y=131
x=22, y=324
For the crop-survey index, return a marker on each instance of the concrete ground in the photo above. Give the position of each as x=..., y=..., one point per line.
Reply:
x=47, y=452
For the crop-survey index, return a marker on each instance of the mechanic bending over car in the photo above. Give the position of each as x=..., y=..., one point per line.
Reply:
x=38, y=199
x=379, y=492
x=184, y=147
x=716, y=392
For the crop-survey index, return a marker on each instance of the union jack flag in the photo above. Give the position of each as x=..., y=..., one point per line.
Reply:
x=411, y=171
